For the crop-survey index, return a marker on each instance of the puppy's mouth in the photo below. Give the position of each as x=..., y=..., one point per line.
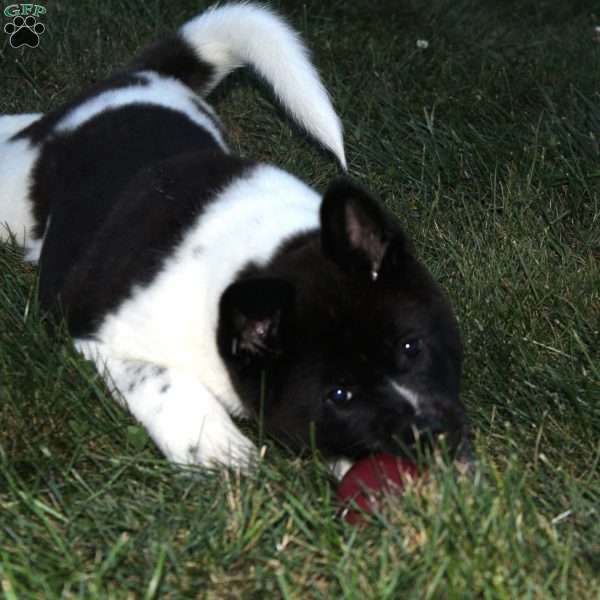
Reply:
x=416, y=446
x=443, y=434
x=417, y=441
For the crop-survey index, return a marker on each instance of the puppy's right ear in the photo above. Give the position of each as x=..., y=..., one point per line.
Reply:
x=356, y=231
x=254, y=315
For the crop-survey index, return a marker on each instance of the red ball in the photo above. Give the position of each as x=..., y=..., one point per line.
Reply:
x=369, y=479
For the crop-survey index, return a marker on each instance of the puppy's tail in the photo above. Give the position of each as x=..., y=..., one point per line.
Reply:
x=210, y=46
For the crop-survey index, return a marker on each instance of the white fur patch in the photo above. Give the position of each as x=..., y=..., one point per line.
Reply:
x=230, y=36
x=18, y=158
x=158, y=91
x=172, y=322
x=408, y=395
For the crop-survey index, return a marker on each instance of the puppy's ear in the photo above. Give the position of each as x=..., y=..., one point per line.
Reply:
x=356, y=232
x=253, y=319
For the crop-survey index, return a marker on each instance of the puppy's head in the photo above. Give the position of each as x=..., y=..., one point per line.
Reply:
x=344, y=341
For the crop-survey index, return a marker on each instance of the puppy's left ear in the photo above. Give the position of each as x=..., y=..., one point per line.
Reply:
x=356, y=232
x=253, y=318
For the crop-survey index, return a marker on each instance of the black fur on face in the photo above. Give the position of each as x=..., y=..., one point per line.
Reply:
x=357, y=344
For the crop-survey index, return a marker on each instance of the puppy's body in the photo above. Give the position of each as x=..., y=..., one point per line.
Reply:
x=206, y=286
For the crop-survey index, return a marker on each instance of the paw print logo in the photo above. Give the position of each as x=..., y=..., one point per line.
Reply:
x=24, y=31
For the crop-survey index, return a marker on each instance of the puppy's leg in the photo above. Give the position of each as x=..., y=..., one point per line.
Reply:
x=187, y=423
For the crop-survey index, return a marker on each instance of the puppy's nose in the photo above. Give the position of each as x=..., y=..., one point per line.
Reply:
x=430, y=426
x=427, y=425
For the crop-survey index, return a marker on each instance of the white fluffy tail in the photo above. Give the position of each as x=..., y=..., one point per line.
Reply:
x=233, y=35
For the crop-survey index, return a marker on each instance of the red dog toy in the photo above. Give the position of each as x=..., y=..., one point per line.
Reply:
x=370, y=478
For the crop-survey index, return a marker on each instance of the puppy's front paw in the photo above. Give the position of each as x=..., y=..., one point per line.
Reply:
x=213, y=442
x=187, y=423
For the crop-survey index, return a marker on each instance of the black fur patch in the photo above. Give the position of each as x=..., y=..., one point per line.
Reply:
x=130, y=244
x=174, y=57
x=171, y=57
x=80, y=173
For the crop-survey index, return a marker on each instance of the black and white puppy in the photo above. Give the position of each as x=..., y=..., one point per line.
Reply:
x=205, y=286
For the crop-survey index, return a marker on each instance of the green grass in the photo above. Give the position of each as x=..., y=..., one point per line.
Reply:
x=486, y=144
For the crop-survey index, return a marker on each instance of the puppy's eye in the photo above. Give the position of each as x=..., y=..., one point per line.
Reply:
x=412, y=347
x=339, y=396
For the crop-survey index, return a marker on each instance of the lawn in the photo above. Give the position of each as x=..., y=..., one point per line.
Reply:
x=478, y=123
